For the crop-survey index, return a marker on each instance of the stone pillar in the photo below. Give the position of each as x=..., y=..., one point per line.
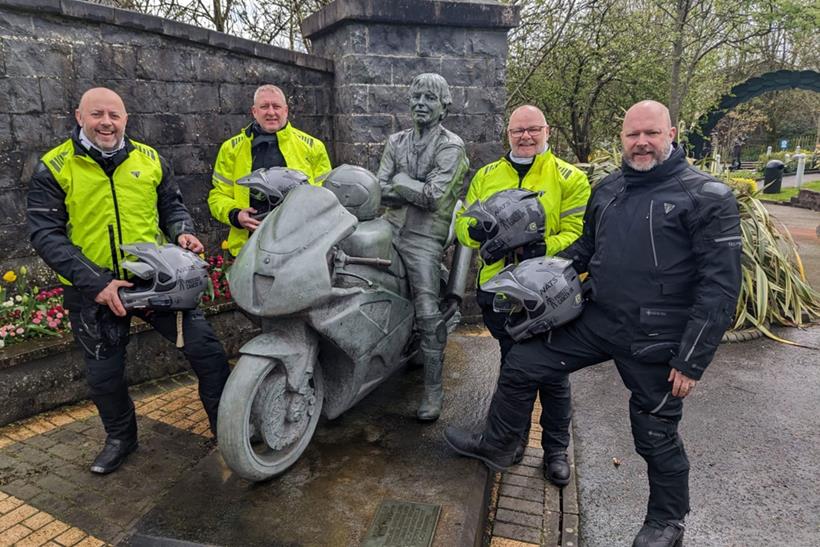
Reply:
x=378, y=46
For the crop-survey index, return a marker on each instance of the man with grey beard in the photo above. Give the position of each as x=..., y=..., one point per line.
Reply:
x=662, y=246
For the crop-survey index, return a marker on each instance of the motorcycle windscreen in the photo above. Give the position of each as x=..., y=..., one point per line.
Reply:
x=284, y=267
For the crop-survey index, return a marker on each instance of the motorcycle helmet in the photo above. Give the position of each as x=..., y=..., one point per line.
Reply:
x=170, y=278
x=270, y=186
x=538, y=295
x=510, y=219
x=356, y=188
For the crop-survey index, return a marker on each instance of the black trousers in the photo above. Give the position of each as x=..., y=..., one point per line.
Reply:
x=654, y=413
x=556, y=410
x=104, y=337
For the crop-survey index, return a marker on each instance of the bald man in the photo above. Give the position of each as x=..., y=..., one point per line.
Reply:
x=90, y=195
x=662, y=246
x=564, y=192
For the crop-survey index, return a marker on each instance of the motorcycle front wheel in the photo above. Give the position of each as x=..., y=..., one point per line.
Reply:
x=264, y=426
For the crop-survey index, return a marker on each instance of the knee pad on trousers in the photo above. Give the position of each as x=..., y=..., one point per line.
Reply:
x=433, y=332
x=105, y=375
x=658, y=442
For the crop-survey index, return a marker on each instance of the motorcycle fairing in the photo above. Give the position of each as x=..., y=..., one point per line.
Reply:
x=369, y=330
x=283, y=268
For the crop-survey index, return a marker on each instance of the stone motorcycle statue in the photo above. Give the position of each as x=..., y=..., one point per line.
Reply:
x=322, y=278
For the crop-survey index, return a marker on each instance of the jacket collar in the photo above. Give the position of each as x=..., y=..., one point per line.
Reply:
x=253, y=130
x=538, y=161
x=673, y=165
x=115, y=160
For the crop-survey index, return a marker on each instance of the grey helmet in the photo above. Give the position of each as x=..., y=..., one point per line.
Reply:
x=356, y=188
x=170, y=278
x=510, y=219
x=538, y=294
x=270, y=186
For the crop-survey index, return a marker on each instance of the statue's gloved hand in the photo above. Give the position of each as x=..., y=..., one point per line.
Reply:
x=407, y=187
x=390, y=198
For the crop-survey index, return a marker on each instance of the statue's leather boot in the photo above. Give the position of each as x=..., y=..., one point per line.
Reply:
x=660, y=534
x=556, y=469
x=430, y=407
x=113, y=455
x=473, y=445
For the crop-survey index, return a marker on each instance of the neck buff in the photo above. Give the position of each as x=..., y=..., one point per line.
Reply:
x=526, y=161
x=86, y=142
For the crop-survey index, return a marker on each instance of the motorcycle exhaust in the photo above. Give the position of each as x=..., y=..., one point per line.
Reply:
x=457, y=282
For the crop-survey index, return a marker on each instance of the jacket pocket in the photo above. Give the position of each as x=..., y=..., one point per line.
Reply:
x=655, y=321
x=655, y=350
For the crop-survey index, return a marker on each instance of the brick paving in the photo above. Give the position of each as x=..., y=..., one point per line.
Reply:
x=528, y=510
x=47, y=494
x=48, y=497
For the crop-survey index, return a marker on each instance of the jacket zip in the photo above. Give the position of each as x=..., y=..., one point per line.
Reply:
x=652, y=233
x=650, y=346
x=112, y=242
x=601, y=218
x=114, y=247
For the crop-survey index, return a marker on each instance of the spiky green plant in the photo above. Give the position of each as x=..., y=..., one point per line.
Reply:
x=774, y=290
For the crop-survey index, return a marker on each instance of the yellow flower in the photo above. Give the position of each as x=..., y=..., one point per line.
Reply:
x=10, y=276
x=224, y=245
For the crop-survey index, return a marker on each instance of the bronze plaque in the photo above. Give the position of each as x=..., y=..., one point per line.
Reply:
x=403, y=524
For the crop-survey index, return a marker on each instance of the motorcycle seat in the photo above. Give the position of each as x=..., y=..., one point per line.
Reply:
x=370, y=239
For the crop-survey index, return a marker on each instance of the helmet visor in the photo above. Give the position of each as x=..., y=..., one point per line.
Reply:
x=504, y=304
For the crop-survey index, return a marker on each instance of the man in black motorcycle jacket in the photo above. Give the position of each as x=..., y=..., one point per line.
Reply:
x=662, y=246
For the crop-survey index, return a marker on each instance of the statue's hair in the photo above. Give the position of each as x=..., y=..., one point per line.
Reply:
x=437, y=83
x=269, y=87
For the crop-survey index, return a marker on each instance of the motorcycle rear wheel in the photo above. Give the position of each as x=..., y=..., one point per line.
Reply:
x=263, y=427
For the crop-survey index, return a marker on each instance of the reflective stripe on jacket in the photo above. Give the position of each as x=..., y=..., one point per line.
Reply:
x=105, y=212
x=564, y=193
x=234, y=161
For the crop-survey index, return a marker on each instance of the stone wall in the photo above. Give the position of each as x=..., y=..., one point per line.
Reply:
x=378, y=46
x=186, y=89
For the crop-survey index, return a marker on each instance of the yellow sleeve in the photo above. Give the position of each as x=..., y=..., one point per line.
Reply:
x=320, y=161
x=462, y=222
x=222, y=198
x=575, y=192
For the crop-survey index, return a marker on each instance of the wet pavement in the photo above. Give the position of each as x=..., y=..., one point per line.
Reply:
x=751, y=430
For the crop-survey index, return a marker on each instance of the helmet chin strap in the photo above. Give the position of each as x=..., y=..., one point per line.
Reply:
x=180, y=336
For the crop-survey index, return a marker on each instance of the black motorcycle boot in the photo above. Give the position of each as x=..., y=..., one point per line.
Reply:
x=430, y=407
x=660, y=534
x=556, y=469
x=473, y=445
x=113, y=455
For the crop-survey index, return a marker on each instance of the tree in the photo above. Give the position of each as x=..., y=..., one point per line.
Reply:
x=275, y=22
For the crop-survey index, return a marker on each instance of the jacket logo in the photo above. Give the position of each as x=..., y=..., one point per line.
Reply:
x=136, y=174
x=668, y=207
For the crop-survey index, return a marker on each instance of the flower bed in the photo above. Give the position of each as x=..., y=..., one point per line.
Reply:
x=28, y=312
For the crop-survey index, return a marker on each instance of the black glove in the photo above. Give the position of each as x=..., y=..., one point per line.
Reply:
x=533, y=250
x=478, y=233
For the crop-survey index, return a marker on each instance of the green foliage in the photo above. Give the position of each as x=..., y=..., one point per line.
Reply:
x=788, y=193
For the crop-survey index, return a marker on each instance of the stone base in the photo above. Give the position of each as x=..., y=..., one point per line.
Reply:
x=377, y=451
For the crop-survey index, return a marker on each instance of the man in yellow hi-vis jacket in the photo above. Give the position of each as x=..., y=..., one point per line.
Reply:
x=270, y=141
x=89, y=195
x=564, y=191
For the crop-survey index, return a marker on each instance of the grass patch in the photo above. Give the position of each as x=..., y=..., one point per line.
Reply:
x=787, y=193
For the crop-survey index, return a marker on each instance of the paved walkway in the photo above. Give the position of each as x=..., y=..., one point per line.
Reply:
x=47, y=494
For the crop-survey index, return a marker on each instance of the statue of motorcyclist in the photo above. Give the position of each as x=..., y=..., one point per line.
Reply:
x=421, y=173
